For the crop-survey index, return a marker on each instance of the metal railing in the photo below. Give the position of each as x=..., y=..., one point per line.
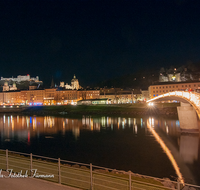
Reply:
x=84, y=176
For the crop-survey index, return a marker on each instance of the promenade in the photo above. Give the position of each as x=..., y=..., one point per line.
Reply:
x=30, y=184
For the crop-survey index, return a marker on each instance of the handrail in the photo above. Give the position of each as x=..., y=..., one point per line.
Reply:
x=94, y=174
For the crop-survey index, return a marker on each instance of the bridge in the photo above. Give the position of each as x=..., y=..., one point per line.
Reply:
x=190, y=103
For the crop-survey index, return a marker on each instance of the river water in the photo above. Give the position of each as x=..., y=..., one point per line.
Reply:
x=148, y=145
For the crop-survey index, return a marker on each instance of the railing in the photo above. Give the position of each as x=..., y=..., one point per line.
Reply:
x=192, y=97
x=84, y=176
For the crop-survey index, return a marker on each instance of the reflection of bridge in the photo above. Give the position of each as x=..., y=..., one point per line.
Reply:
x=186, y=113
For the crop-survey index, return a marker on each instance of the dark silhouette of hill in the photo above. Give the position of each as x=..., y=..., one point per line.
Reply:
x=140, y=80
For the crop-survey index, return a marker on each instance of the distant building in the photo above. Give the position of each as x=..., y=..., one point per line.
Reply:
x=176, y=77
x=74, y=84
x=181, y=74
x=21, y=78
x=162, y=88
x=120, y=96
x=94, y=101
x=6, y=87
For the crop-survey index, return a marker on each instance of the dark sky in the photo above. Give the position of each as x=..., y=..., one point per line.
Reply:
x=96, y=39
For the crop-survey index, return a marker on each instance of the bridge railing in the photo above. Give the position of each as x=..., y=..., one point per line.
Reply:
x=84, y=176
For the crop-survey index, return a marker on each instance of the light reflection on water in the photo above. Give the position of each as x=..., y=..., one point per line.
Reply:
x=185, y=147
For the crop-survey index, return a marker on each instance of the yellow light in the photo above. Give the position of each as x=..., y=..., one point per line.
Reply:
x=167, y=151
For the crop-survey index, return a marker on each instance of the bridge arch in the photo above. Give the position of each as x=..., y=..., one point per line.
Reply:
x=187, y=97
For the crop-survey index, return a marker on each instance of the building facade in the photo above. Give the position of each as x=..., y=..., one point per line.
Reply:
x=21, y=78
x=51, y=96
x=120, y=96
x=162, y=88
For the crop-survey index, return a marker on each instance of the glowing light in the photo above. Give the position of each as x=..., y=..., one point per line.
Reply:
x=167, y=129
x=192, y=97
x=167, y=151
x=150, y=104
x=135, y=129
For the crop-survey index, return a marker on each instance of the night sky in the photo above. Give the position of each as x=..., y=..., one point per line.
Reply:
x=96, y=39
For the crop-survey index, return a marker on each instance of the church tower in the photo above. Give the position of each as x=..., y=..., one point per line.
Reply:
x=75, y=83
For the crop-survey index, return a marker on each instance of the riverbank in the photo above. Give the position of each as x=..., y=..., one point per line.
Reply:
x=119, y=109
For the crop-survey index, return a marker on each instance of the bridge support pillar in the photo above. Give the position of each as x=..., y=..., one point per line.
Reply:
x=187, y=118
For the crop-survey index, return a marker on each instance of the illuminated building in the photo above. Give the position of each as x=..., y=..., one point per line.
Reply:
x=21, y=78
x=162, y=88
x=46, y=96
x=88, y=94
x=120, y=96
x=74, y=84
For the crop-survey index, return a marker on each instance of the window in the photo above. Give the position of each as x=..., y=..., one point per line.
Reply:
x=173, y=86
x=166, y=90
x=189, y=85
x=156, y=87
x=153, y=87
x=195, y=85
x=185, y=85
x=163, y=91
x=169, y=86
x=160, y=87
x=156, y=91
x=166, y=86
x=176, y=86
x=182, y=85
x=160, y=90
x=153, y=91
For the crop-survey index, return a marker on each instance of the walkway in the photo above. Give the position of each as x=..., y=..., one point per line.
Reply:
x=30, y=184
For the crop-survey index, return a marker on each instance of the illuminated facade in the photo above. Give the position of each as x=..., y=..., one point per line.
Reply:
x=74, y=84
x=162, y=88
x=21, y=78
x=88, y=94
x=46, y=97
x=120, y=96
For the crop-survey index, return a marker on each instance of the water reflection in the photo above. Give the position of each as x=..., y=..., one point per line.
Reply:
x=181, y=152
x=181, y=149
x=150, y=125
x=27, y=127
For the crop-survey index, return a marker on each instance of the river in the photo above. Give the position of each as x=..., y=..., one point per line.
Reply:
x=122, y=143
